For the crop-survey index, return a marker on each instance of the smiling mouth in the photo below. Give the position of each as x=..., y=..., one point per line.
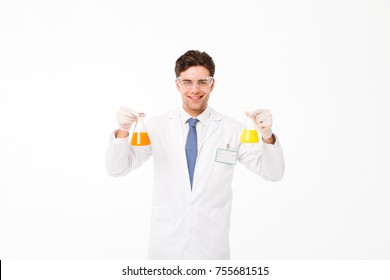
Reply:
x=197, y=97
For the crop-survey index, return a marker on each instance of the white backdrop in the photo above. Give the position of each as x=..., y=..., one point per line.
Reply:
x=321, y=67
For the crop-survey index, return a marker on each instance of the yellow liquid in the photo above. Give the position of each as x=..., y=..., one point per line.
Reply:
x=141, y=139
x=249, y=136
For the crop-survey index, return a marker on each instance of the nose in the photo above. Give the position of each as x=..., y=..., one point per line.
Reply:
x=195, y=88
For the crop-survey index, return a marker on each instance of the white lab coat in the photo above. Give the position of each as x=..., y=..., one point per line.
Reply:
x=193, y=224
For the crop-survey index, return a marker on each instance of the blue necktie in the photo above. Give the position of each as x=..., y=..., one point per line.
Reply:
x=191, y=148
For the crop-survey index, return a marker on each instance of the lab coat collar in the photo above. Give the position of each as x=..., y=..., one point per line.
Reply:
x=212, y=124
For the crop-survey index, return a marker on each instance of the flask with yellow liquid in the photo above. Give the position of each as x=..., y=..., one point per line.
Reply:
x=249, y=132
x=140, y=137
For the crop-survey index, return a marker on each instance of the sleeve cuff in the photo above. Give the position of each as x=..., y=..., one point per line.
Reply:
x=114, y=140
x=275, y=145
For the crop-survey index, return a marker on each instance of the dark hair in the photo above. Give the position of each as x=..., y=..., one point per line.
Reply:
x=194, y=58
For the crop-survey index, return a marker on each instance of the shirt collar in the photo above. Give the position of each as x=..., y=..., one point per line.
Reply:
x=203, y=117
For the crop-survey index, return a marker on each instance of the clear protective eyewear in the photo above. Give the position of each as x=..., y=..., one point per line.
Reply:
x=204, y=83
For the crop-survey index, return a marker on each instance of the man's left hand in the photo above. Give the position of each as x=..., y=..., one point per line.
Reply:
x=263, y=120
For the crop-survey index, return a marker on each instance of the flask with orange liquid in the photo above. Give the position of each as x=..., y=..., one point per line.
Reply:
x=249, y=132
x=140, y=136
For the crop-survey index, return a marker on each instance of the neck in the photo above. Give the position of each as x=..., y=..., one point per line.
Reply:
x=193, y=113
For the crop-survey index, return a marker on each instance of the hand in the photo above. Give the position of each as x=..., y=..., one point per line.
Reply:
x=125, y=117
x=263, y=120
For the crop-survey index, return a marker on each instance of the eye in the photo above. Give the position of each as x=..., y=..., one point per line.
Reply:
x=202, y=82
x=187, y=83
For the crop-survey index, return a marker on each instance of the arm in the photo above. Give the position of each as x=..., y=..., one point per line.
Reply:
x=121, y=158
x=265, y=160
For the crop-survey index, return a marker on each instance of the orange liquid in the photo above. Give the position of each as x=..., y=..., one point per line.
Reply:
x=140, y=139
x=249, y=136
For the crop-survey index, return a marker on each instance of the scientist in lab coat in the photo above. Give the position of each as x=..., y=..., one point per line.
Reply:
x=194, y=150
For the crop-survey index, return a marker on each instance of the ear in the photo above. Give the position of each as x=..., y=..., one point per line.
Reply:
x=177, y=85
x=212, y=87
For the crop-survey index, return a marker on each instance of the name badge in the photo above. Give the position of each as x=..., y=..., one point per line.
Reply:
x=226, y=156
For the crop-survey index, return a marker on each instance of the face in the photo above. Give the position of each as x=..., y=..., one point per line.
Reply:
x=195, y=98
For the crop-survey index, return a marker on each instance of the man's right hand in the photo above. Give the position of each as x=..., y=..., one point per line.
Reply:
x=125, y=117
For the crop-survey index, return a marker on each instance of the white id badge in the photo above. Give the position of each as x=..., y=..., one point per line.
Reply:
x=226, y=156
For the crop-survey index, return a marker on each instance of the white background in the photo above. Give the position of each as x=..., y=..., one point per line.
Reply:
x=321, y=67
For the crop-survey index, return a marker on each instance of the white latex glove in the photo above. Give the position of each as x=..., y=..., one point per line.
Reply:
x=263, y=120
x=125, y=117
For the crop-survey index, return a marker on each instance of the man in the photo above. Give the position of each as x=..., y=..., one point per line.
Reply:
x=194, y=151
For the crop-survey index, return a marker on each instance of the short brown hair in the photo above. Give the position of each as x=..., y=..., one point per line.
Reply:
x=194, y=58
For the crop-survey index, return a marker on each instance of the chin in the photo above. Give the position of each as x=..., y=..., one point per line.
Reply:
x=197, y=107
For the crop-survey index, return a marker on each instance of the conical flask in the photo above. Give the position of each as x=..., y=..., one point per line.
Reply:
x=249, y=131
x=140, y=136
